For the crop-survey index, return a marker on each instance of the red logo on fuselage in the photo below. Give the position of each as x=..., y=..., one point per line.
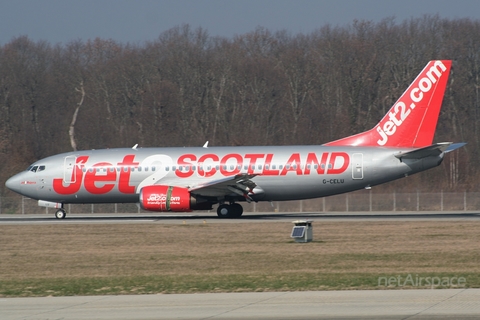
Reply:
x=207, y=165
x=263, y=164
x=91, y=179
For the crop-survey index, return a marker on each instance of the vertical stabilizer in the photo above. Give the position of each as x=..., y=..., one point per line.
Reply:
x=412, y=120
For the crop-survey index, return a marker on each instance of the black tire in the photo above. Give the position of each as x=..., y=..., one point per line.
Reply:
x=60, y=214
x=237, y=210
x=224, y=211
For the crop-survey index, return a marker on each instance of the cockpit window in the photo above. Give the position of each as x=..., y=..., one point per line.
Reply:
x=36, y=168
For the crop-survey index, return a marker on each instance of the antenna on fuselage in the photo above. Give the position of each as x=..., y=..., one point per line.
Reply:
x=205, y=145
x=135, y=147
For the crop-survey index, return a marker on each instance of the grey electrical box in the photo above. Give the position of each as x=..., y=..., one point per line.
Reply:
x=302, y=231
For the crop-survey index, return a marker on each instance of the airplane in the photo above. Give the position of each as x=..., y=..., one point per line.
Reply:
x=196, y=178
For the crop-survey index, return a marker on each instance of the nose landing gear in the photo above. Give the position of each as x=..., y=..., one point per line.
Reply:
x=60, y=214
x=233, y=210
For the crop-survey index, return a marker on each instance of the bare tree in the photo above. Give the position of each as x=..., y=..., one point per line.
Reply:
x=71, y=130
x=257, y=88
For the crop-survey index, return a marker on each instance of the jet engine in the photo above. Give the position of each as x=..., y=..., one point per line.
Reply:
x=168, y=198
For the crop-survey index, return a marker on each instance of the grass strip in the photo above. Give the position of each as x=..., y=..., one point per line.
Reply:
x=232, y=283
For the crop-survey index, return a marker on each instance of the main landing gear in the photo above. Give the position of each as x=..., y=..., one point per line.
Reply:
x=233, y=210
x=60, y=214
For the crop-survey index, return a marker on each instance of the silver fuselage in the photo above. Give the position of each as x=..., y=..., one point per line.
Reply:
x=280, y=172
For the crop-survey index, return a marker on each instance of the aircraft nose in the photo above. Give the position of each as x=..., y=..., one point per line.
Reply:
x=15, y=183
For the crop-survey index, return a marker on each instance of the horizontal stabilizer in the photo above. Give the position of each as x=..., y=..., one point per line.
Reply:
x=430, y=151
x=455, y=146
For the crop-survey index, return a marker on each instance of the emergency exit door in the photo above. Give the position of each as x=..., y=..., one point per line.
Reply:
x=357, y=166
x=69, y=172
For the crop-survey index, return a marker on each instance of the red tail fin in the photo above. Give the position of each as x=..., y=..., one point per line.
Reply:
x=412, y=120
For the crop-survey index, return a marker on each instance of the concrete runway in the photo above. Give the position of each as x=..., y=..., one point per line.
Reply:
x=246, y=218
x=360, y=304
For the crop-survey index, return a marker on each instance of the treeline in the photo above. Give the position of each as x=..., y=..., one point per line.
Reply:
x=260, y=88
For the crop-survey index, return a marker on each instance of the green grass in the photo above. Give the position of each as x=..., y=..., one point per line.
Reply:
x=218, y=283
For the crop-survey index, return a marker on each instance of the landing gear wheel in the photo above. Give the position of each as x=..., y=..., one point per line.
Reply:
x=60, y=214
x=237, y=210
x=224, y=211
x=233, y=210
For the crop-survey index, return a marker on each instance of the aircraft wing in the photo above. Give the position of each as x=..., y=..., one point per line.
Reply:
x=433, y=150
x=240, y=184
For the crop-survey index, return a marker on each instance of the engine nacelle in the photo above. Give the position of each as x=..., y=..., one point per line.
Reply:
x=168, y=198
